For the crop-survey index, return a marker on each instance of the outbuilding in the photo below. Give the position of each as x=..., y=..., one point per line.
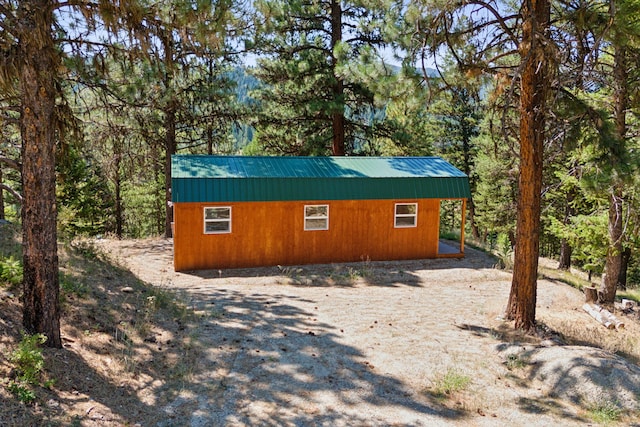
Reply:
x=243, y=211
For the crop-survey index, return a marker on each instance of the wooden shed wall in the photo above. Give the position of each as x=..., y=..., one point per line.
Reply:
x=272, y=233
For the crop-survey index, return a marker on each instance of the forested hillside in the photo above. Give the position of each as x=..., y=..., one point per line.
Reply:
x=537, y=102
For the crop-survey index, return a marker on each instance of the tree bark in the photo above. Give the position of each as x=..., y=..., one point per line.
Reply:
x=534, y=86
x=209, y=140
x=467, y=133
x=622, y=279
x=565, y=248
x=118, y=189
x=590, y=294
x=613, y=263
x=475, y=232
x=40, y=60
x=1, y=196
x=170, y=145
x=565, y=255
x=170, y=149
x=337, y=116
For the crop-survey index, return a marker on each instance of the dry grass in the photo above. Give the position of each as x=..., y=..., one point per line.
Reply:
x=624, y=342
x=126, y=346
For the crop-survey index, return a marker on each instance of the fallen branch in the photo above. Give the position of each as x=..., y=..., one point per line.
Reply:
x=603, y=316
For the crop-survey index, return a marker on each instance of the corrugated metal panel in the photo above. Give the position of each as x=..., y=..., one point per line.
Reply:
x=312, y=167
x=239, y=179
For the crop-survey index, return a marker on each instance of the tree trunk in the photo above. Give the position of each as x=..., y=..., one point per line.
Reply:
x=475, y=232
x=159, y=191
x=170, y=149
x=169, y=126
x=622, y=279
x=118, y=190
x=534, y=86
x=565, y=248
x=565, y=255
x=613, y=263
x=209, y=140
x=41, y=311
x=590, y=294
x=337, y=116
x=466, y=151
x=1, y=196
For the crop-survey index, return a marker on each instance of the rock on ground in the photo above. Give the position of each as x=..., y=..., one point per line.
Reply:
x=586, y=375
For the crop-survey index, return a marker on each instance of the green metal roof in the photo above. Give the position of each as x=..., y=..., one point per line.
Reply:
x=247, y=178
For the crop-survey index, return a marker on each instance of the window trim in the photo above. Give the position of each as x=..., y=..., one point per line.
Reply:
x=396, y=215
x=227, y=220
x=326, y=217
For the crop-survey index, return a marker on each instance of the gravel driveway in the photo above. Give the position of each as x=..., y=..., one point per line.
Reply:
x=360, y=344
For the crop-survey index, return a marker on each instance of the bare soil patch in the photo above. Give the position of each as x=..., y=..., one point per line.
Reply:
x=368, y=344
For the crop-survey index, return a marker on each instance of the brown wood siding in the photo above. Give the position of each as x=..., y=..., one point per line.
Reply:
x=272, y=233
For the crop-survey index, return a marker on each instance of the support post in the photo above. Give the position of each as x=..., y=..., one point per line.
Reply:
x=462, y=221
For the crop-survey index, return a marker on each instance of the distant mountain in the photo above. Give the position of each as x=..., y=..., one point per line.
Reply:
x=245, y=83
x=431, y=72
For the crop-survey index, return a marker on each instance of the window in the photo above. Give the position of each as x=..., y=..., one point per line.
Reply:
x=316, y=217
x=217, y=220
x=406, y=215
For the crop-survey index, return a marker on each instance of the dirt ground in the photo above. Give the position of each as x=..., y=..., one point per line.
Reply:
x=364, y=344
x=411, y=343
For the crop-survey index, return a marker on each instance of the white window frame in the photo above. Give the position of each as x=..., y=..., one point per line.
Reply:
x=307, y=217
x=396, y=216
x=219, y=220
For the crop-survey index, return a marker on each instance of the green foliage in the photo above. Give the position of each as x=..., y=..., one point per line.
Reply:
x=22, y=392
x=406, y=110
x=588, y=236
x=504, y=251
x=450, y=217
x=453, y=381
x=28, y=359
x=85, y=202
x=72, y=285
x=29, y=363
x=496, y=189
x=633, y=273
x=604, y=412
x=10, y=271
x=311, y=81
x=144, y=208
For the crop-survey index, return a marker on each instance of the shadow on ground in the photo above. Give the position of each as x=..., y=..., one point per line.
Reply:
x=237, y=359
x=513, y=346
x=366, y=272
x=106, y=364
x=276, y=365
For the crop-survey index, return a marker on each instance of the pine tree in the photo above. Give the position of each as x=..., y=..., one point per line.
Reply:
x=513, y=45
x=313, y=102
x=33, y=59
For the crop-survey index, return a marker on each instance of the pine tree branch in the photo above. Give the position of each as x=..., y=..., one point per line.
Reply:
x=11, y=163
x=11, y=191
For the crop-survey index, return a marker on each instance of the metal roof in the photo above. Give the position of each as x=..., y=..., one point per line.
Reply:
x=248, y=178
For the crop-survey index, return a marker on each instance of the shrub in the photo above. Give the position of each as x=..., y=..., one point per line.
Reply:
x=451, y=382
x=604, y=412
x=10, y=271
x=28, y=358
x=29, y=363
